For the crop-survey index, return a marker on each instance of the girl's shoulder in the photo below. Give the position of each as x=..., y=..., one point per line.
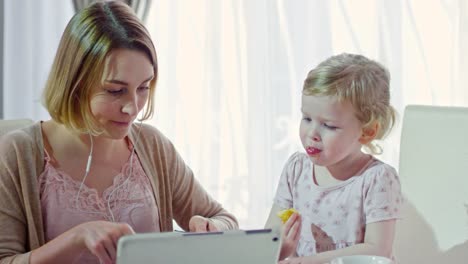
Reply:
x=378, y=167
x=298, y=159
x=378, y=171
x=297, y=164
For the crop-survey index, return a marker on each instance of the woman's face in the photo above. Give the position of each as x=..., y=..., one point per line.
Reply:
x=124, y=91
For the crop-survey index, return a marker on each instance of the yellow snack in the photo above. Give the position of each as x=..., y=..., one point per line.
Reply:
x=285, y=214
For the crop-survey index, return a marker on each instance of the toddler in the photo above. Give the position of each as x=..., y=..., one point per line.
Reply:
x=347, y=201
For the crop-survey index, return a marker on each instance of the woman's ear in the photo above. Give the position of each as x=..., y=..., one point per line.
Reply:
x=369, y=133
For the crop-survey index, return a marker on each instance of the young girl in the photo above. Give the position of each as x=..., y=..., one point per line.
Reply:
x=347, y=200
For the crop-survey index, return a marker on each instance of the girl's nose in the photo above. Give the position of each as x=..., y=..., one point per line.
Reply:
x=314, y=134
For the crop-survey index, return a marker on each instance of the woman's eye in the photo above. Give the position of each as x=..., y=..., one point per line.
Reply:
x=307, y=119
x=116, y=92
x=143, y=88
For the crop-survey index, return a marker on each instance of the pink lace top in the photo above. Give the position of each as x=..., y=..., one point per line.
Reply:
x=130, y=201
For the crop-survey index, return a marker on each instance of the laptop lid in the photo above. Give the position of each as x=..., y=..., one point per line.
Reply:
x=229, y=247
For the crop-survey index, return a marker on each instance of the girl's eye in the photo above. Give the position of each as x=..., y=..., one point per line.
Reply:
x=307, y=119
x=330, y=127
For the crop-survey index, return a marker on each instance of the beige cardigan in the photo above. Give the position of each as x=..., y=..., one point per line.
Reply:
x=178, y=194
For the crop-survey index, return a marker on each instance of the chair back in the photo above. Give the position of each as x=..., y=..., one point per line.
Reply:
x=433, y=170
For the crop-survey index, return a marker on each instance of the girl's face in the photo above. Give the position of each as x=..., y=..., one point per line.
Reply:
x=124, y=92
x=329, y=130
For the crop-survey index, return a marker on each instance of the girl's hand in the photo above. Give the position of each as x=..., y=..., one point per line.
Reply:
x=100, y=238
x=298, y=260
x=290, y=236
x=202, y=224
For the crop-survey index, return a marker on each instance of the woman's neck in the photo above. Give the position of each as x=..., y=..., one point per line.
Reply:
x=81, y=144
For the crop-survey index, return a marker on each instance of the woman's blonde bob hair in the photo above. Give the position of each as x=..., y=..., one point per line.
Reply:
x=363, y=82
x=79, y=64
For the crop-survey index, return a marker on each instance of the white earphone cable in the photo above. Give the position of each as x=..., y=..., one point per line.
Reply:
x=130, y=172
x=88, y=167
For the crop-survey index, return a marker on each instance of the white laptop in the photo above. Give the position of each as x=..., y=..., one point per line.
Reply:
x=229, y=247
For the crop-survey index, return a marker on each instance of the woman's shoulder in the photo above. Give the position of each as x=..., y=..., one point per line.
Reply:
x=21, y=139
x=21, y=148
x=149, y=138
x=147, y=131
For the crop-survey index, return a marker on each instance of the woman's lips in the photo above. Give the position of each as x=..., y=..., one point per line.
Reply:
x=313, y=151
x=121, y=123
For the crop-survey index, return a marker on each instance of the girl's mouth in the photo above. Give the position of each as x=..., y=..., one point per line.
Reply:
x=313, y=151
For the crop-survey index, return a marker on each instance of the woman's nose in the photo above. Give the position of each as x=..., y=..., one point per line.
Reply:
x=130, y=106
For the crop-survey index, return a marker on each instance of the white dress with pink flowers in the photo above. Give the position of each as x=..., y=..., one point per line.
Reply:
x=336, y=217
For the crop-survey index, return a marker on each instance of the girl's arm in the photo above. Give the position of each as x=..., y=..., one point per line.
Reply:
x=378, y=241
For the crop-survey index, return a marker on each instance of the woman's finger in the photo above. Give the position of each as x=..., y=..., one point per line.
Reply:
x=111, y=247
x=211, y=226
x=198, y=225
x=103, y=237
x=100, y=252
x=126, y=229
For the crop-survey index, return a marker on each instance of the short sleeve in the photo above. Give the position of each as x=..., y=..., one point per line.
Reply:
x=287, y=181
x=383, y=199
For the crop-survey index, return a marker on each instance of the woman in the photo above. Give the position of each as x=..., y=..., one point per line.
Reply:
x=73, y=185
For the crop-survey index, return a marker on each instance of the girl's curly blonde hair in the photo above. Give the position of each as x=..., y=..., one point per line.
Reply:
x=364, y=83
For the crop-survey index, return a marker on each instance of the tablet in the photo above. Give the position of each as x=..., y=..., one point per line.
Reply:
x=229, y=247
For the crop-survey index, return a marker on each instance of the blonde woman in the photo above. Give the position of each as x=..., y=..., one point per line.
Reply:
x=73, y=185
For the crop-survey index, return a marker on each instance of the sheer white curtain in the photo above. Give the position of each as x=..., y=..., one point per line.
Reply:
x=31, y=34
x=231, y=74
x=232, y=71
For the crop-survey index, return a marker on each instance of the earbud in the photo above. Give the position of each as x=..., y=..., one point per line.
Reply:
x=88, y=165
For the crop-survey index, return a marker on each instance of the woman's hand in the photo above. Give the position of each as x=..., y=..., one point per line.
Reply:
x=101, y=237
x=290, y=236
x=202, y=224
